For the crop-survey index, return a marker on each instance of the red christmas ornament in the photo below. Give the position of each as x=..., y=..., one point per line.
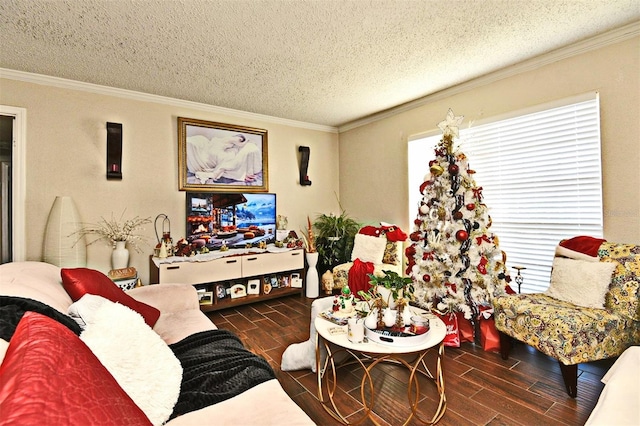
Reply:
x=454, y=169
x=457, y=215
x=462, y=235
x=471, y=206
x=426, y=278
x=482, y=266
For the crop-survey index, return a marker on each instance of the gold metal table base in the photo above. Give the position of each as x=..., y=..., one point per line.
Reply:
x=327, y=376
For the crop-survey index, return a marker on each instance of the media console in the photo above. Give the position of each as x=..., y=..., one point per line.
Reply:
x=220, y=279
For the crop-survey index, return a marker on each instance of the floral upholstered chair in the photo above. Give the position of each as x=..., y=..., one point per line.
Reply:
x=590, y=312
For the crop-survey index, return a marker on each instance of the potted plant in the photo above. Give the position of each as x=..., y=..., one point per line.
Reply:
x=396, y=291
x=392, y=286
x=334, y=240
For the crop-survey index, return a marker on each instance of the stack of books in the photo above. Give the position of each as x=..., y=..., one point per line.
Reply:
x=125, y=278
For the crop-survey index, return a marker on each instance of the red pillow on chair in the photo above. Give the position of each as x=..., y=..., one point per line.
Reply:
x=80, y=281
x=49, y=376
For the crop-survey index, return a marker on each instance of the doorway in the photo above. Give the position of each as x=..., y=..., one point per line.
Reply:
x=6, y=148
x=12, y=183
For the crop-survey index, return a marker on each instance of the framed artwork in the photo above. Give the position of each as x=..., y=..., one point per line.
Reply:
x=284, y=281
x=295, y=280
x=206, y=298
x=266, y=285
x=273, y=280
x=238, y=290
x=221, y=157
x=221, y=291
x=253, y=286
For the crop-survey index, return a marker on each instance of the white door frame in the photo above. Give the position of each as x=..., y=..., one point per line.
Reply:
x=19, y=180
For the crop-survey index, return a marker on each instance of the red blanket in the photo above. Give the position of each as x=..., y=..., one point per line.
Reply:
x=358, y=276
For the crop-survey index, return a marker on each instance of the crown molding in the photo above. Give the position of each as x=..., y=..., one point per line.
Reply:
x=63, y=83
x=611, y=37
x=593, y=43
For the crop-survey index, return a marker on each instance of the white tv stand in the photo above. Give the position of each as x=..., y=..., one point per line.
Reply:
x=209, y=271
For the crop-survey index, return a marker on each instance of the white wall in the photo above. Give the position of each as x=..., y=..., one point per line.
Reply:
x=66, y=155
x=373, y=157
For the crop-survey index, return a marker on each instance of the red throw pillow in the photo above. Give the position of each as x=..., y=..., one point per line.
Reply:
x=80, y=281
x=49, y=376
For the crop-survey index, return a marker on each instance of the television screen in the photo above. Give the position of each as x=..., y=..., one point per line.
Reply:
x=233, y=219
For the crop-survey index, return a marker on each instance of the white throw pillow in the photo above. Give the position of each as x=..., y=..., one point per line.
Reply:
x=580, y=282
x=368, y=248
x=139, y=360
x=85, y=308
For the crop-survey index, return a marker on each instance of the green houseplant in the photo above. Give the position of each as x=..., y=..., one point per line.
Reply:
x=397, y=286
x=334, y=239
x=390, y=294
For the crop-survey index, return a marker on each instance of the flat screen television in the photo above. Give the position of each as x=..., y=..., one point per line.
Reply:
x=232, y=219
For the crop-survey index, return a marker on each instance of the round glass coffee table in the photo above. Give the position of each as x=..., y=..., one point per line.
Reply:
x=367, y=355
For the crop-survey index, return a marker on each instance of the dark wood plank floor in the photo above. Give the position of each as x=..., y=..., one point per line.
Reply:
x=481, y=387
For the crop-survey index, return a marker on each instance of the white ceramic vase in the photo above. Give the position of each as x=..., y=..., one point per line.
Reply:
x=406, y=315
x=386, y=295
x=371, y=321
x=120, y=255
x=311, y=280
x=389, y=317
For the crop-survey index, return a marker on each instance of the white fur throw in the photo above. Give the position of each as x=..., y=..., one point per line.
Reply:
x=368, y=248
x=302, y=356
x=139, y=360
x=580, y=282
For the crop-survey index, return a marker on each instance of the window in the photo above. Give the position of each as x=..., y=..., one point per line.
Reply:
x=541, y=177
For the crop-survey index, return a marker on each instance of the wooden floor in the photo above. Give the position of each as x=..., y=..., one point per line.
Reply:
x=481, y=388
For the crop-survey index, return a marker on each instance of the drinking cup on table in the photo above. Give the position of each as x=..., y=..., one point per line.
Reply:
x=355, y=330
x=419, y=325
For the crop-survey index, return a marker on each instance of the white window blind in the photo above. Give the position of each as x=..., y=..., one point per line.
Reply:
x=541, y=179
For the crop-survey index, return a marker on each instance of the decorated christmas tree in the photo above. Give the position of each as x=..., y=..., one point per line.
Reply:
x=454, y=260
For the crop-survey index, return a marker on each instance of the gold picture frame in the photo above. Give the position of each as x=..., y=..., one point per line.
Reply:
x=221, y=157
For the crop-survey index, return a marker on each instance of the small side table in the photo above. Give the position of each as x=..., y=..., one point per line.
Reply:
x=368, y=355
x=519, y=278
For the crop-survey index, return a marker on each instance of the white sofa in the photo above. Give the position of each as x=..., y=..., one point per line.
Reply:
x=619, y=402
x=180, y=316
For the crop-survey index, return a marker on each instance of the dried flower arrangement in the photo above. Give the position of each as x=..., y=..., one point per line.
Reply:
x=117, y=230
x=308, y=238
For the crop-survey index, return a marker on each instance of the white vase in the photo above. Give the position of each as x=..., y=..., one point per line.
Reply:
x=386, y=295
x=120, y=256
x=406, y=315
x=389, y=317
x=311, y=280
x=371, y=321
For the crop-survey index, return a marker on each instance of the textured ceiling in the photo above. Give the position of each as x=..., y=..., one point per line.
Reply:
x=326, y=62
